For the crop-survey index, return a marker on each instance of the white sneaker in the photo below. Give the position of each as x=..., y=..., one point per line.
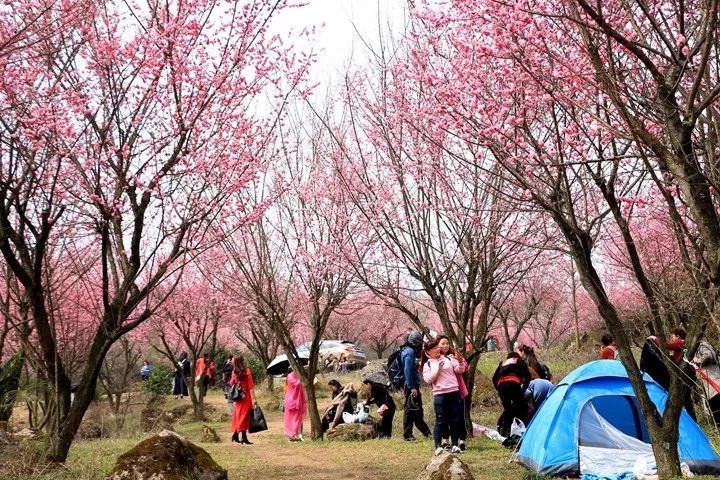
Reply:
x=455, y=450
x=439, y=450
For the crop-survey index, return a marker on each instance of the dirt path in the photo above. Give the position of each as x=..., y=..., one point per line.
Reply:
x=273, y=456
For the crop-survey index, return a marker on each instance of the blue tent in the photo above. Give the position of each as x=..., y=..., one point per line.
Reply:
x=592, y=419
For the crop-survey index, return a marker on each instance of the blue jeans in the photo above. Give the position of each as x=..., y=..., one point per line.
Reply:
x=447, y=416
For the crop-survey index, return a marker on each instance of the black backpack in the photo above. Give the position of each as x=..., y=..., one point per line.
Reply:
x=395, y=370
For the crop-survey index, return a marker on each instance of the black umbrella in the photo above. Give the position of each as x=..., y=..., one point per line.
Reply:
x=281, y=364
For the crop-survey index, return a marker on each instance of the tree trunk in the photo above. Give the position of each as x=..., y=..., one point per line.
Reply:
x=316, y=432
x=270, y=383
x=470, y=381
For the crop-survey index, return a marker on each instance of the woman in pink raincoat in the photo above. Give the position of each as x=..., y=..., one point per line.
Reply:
x=295, y=407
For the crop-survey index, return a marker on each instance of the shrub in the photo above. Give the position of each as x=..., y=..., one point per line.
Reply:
x=256, y=367
x=160, y=381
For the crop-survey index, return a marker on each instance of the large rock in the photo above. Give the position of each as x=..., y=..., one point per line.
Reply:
x=353, y=431
x=375, y=371
x=166, y=456
x=446, y=467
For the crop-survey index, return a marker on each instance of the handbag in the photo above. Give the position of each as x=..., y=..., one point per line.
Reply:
x=236, y=394
x=382, y=410
x=257, y=420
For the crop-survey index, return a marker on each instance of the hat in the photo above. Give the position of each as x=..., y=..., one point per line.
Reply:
x=415, y=338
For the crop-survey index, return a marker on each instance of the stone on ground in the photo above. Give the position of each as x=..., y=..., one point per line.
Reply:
x=166, y=456
x=209, y=435
x=446, y=467
x=348, y=432
x=375, y=371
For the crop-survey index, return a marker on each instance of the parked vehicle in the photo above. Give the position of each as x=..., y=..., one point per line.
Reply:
x=330, y=353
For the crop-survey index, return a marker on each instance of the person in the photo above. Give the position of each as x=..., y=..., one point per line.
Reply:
x=182, y=374
x=295, y=407
x=511, y=378
x=227, y=370
x=440, y=371
x=527, y=354
x=240, y=421
x=675, y=347
x=447, y=349
x=676, y=344
x=380, y=396
x=146, y=370
x=204, y=373
x=342, y=366
x=346, y=397
x=706, y=359
x=609, y=350
x=536, y=393
x=651, y=362
x=413, y=406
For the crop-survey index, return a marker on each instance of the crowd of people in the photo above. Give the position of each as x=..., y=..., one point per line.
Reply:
x=521, y=380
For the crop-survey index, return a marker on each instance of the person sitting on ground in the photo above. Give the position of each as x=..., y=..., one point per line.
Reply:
x=347, y=397
x=511, y=378
x=609, y=350
x=379, y=395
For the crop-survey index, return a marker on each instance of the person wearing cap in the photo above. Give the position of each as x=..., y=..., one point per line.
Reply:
x=413, y=410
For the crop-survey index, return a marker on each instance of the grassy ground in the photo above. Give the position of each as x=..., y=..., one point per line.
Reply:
x=273, y=457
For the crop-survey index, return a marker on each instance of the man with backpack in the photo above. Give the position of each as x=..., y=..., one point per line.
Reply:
x=413, y=411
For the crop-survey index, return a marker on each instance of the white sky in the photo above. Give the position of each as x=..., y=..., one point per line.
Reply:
x=337, y=43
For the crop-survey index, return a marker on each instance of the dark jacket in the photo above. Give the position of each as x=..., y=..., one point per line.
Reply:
x=652, y=364
x=408, y=354
x=379, y=396
x=512, y=370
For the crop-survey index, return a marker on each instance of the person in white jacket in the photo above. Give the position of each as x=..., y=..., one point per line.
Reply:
x=706, y=359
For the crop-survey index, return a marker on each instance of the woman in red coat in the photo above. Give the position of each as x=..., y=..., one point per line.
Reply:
x=240, y=422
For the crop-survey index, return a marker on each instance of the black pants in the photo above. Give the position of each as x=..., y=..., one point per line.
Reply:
x=413, y=415
x=462, y=434
x=386, y=423
x=204, y=384
x=514, y=406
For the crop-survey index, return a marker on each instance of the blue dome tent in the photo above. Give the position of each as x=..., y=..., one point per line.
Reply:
x=591, y=423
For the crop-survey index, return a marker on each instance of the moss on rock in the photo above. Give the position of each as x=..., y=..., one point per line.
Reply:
x=167, y=456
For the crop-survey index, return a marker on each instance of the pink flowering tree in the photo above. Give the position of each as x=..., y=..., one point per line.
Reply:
x=592, y=111
x=293, y=264
x=127, y=129
x=436, y=230
x=189, y=321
